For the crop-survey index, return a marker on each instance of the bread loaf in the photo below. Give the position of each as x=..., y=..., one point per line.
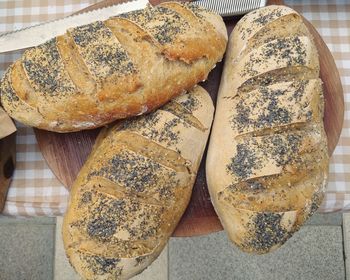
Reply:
x=267, y=162
x=134, y=187
x=124, y=66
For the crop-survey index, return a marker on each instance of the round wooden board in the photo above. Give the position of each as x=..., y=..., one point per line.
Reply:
x=66, y=153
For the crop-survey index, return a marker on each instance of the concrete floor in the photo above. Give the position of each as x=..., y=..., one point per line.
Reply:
x=32, y=249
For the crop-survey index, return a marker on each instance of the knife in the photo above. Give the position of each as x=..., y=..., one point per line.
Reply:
x=38, y=34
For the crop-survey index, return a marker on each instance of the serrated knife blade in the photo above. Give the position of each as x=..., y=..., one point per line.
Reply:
x=38, y=34
x=227, y=8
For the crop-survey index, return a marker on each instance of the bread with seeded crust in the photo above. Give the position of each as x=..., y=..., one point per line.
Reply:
x=267, y=162
x=125, y=66
x=134, y=188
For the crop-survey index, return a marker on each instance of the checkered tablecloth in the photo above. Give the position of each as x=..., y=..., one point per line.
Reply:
x=36, y=191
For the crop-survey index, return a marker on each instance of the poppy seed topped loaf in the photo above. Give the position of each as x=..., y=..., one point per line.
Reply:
x=133, y=189
x=125, y=66
x=267, y=162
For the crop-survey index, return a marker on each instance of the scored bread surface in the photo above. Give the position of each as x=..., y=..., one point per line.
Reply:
x=134, y=188
x=267, y=163
x=107, y=70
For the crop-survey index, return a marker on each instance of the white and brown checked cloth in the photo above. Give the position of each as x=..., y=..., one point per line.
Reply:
x=36, y=191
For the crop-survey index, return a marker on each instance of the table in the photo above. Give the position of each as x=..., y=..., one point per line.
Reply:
x=35, y=190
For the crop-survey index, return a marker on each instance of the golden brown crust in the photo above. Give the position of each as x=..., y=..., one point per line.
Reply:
x=134, y=188
x=122, y=67
x=267, y=163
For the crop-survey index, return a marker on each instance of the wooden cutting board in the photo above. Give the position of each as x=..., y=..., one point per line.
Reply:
x=66, y=153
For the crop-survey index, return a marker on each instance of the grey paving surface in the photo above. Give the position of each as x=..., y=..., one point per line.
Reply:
x=21, y=220
x=346, y=234
x=315, y=252
x=26, y=249
x=333, y=219
x=158, y=270
x=62, y=268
